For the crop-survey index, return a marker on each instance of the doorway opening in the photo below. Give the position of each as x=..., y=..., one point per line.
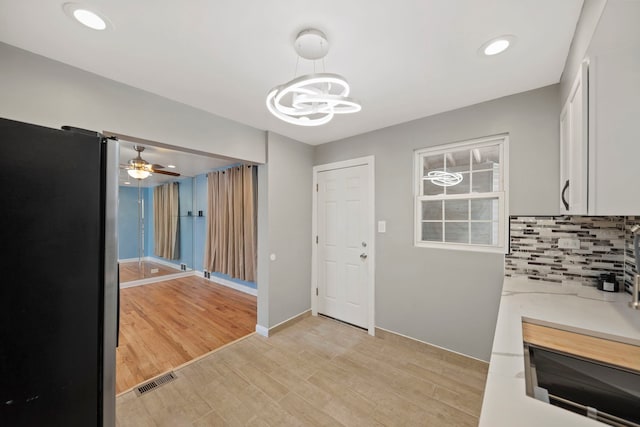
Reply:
x=176, y=303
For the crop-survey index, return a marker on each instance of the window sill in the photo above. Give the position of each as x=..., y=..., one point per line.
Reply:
x=462, y=247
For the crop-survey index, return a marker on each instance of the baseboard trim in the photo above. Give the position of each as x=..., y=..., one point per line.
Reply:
x=385, y=333
x=236, y=286
x=290, y=321
x=261, y=330
x=128, y=260
x=230, y=284
x=265, y=332
x=151, y=259
x=155, y=279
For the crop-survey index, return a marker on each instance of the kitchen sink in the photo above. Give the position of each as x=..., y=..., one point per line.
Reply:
x=596, y=378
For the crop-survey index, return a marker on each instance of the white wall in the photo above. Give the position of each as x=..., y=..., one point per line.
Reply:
x=38, y=90
x=450, y=298
x=284, y=285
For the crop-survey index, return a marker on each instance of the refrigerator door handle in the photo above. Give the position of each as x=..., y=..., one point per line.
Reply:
x=118, y=311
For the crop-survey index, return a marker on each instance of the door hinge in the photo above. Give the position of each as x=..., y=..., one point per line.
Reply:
x=316, y=188
x=316, y=291
x=316, y=239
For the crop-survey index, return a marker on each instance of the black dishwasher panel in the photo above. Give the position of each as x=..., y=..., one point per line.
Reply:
x=572, y=380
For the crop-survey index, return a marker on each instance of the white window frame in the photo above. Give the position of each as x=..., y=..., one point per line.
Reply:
x=502, y=140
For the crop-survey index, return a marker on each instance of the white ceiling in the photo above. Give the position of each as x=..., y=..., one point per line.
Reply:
x=404, y=59
x=186, y=164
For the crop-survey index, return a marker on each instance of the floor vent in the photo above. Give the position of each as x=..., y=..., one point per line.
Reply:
x=155, y=383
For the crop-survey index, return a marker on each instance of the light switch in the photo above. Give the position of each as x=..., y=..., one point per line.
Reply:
x=382, y=226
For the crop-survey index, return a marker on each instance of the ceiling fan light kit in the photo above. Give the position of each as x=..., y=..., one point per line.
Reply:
x=312, y=99
x=139, y=168
x=138, y=173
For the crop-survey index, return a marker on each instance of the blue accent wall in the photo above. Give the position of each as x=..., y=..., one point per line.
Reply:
x=186, y=221
x=252, y=285
x=127, y=222
x=192, y=199
x=185, y=196
x=200, y=222
x=148, y=221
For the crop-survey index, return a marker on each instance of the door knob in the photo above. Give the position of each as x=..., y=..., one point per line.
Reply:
x=363, y=256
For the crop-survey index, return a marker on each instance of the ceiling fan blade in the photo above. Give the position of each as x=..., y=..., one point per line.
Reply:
x=154, y=166
x=165, y=172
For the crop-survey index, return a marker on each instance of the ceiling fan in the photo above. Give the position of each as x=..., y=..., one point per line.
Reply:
x=139, y=168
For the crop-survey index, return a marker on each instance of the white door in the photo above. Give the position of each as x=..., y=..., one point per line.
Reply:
x=343, y=212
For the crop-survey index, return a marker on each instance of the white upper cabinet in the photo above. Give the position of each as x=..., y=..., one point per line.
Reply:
x=574, y=147
x=600, y=137
x=614, y=133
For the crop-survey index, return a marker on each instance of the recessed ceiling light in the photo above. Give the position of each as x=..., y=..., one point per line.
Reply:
x=497, y=45
x=171, y=166
x=85, y=16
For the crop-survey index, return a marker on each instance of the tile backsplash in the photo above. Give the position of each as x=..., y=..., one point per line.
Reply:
x=629, y=259
x=605, y=246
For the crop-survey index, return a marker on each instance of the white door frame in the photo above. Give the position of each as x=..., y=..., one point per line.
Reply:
x=360, y=161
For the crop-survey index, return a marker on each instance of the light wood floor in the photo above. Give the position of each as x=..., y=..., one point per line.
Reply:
x=317, y=372
x=130, y=271
x=166, y=324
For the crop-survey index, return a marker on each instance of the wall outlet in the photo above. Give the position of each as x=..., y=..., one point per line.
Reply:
x=183, y=267
x=566, y=243
x=207, y=275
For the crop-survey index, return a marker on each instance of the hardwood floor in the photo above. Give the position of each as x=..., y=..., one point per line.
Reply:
x=166, y=324
x=130, y=271
x=316, y=372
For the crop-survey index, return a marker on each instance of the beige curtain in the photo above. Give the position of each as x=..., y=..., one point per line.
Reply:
x=165, y=221
x=230, y=246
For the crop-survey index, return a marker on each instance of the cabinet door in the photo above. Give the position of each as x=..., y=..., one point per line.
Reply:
x=614, y=134
x=574, y=147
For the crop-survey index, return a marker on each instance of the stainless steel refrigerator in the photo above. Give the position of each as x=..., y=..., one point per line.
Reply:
x=58, y=276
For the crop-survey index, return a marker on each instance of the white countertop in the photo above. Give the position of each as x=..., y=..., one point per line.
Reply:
x=581, y=307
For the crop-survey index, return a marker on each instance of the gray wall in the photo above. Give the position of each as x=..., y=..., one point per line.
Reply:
x=38, y=90
x=263, y=246
x=445, y=297
x=287, y=280
x=589, y=18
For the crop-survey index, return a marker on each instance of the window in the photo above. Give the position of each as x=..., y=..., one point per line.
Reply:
x=461, y=195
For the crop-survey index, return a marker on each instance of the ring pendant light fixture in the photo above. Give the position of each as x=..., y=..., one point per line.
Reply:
x=312, y=99
x=444, y=179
